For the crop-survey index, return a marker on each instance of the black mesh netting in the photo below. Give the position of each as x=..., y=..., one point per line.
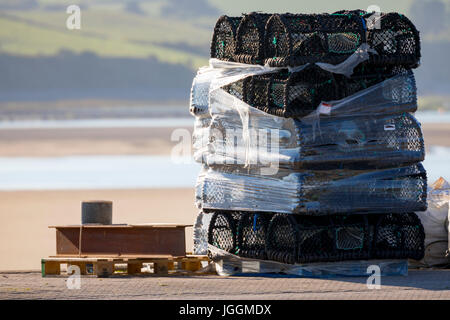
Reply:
x=291, y=238
x=223, y=44
x=296, y=39
x=396, y=40
x=222, y=230
x=250, y=38
x=393, y=232
x=251, y=235
x=297, y=94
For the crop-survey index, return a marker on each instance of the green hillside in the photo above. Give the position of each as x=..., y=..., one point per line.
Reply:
x=110, y=32
x=136, y=28
x=151, y=48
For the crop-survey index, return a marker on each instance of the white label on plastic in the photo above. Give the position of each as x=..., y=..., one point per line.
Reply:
x=250, y=267
x=389, y=127
x=324, y=108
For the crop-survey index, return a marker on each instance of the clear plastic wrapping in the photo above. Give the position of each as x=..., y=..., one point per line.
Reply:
x=201, y=228
x=317, y=192
x=228, y=264
x=372, y=125
x=239, y=134
x=296, y=94
x=308, y=147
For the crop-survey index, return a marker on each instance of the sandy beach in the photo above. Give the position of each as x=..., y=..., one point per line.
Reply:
x=130, y=141
x=436, y=134
x=87, y=141
x=25, y=237
x=24, y=234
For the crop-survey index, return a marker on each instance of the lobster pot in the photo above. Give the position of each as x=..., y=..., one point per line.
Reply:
x=266, y=140
x=377, y=141
x=398, y=82
x=282, y=40
x=297, y=94
x=305, y=239
x=241, y=233
x=364, y=190
x=251, y=235
x=296, y=39
x=395, y=38
x=223, y=44
x=282, y=239
x=250, y=38
x=286, y=94
x=354, y=132
x=397, y=236
x=313, y=192
x=222, y=230
x=318, y=239
x=337, y=238
x=222, y=190
x=292, y=40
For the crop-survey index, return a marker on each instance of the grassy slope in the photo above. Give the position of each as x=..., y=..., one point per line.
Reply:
x=108, y=32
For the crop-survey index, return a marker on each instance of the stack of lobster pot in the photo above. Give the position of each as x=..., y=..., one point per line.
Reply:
x=305, y=131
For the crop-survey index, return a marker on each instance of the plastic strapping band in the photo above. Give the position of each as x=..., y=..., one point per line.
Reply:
x=255, y=217
x=364, y=23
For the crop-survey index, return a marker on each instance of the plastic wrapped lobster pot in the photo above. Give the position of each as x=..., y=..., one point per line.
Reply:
x=227, y=190
x=399, y=236
x=250, y=38
x=222, y=230
x=303, y=239
x=223, y=44
x=297, y=94
x=378, y=141
x=318, y=239
x=251, y=235
x=296, y=39
x=398, y=83
x=313, y=192
x=370, y=126
x=267, y=140
x=395, y=39
x=400, y=189
x=287, y=94
x=381, y=141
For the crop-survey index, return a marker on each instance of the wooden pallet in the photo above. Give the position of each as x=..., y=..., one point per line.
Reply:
x=127, y=265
